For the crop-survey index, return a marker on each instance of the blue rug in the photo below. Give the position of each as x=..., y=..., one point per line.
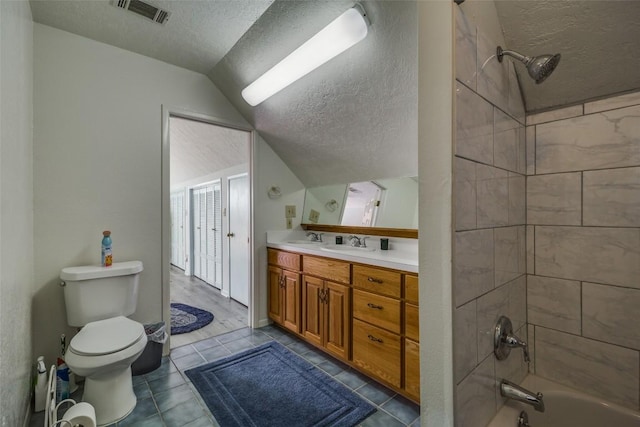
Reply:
x=185, y=318
x=269, y=386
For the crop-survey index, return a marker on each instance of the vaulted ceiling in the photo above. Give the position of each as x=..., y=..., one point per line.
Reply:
x=355, y=118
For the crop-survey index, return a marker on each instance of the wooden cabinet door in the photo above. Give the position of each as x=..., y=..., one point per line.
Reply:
x=337, y=303
x=312, y=309
x=378, y=352
x=291, y=301
x=275, y=294
x=412, y=369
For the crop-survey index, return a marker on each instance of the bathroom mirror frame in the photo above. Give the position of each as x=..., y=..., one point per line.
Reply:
x=407, y=233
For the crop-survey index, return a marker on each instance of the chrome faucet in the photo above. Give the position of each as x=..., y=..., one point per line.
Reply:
x=314, y=237
x=504, y=340
x=358, y=242
x=515, y=392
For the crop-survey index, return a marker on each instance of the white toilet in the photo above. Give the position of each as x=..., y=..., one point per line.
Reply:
x=98, y=299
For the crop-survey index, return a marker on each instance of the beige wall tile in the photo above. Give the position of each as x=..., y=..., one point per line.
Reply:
x=509, y=254
x=505, y=141
x=465, y=50
x=611, y=314
x=474, y=126
x=621, y=101
x=612, y=197
x=553, y=115
x=493, y=196
x=554, y=199
x=593, y=254
x=465, y=194
x=603, y=140
x=475, y=396
x=517, y=199
x=531, y=337
x=531, y=149
x=465, y=340
x=516, y=104
x=493, y=76
x=473, y=265
x=530, y=250
x=554, y=303
x=601, y=369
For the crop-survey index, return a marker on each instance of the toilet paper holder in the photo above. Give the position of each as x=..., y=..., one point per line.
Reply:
x=81, y=414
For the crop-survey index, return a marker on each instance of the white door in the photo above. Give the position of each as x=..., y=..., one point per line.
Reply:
x=239, y=238
x=177, y=230
x=207, y=234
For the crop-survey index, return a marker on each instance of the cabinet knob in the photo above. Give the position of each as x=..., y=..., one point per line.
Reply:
x=377, y=307
x=374, y=280
x=372, y=338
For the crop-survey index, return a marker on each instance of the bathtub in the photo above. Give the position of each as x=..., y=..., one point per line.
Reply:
x=565, y=407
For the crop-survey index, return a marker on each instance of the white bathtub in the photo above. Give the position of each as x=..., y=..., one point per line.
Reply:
x=565, y=407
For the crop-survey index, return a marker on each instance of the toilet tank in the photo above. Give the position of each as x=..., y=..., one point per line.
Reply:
x=93, y=292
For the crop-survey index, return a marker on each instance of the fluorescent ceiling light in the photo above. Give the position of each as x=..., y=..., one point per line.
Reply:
x=345, y=31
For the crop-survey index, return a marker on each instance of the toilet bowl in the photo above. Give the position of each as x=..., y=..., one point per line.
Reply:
x=103, y=352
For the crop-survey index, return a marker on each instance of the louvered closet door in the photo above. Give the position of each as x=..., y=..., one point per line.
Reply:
x=180, y=241
x=213, y=236
x=173, y=210
x=217, y=235
x=195, y=229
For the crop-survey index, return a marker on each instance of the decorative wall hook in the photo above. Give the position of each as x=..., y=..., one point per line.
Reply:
x=274, y=192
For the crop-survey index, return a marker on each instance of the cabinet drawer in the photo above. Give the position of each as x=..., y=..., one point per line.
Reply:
x=331, y=269
x=284, y=259
x=376, y=309
x=412, y=369
x=411, y=322
x=377, y=280
x=411, y=288
x=377, y=351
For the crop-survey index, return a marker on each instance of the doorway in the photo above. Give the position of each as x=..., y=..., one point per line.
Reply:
x=209, y=174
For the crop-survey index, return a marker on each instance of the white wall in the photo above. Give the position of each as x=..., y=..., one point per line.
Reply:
x=270, y=171
x=97, y=163
x=16, y=214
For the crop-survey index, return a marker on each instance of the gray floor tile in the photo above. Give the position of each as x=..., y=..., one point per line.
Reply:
x=166, y=367
x=202, y=422
x=178, y=352
x=173, y=397
x=403, y=409
x=234, y=335
x=315, y=356
x=381, y=419
x=208, y=343
x=215, y=353
x=182, y=414
x=351, y=379
x=152, y=421
x=375, y=393
x=165, y=383
x=142, y=390
x=144, y=409
x=189, y=361
x=238, y=345
x=332, y=367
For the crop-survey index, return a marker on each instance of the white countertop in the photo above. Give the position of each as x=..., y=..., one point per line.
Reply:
x=402, y=253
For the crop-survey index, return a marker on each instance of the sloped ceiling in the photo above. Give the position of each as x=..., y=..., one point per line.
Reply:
x=355, y=118
x=599, y=42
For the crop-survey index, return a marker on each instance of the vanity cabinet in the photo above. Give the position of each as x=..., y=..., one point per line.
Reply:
x=326, y=305
x=412, y=338
x=364, y=315
x=284, y=289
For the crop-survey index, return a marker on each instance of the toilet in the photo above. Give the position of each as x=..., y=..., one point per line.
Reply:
x=98, y=299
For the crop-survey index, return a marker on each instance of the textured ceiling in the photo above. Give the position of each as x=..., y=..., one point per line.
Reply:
x=198, y=149
x=197, y=35
x=599, y=42
x=355, y=118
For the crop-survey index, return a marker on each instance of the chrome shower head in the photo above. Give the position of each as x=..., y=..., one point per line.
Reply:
x=539, y=67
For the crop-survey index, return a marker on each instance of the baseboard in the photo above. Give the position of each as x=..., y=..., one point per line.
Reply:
x=263, y=322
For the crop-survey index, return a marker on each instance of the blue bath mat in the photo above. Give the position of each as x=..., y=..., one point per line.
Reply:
x=269, y=386
x=185, y=318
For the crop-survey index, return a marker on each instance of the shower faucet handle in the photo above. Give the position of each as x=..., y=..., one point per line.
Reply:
x=504, y=340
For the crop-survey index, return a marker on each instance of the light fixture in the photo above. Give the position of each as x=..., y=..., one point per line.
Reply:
x=345, y=31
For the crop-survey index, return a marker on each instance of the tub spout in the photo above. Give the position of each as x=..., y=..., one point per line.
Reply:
x=515, y=392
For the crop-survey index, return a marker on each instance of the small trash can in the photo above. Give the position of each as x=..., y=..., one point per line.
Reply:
x=151, y=357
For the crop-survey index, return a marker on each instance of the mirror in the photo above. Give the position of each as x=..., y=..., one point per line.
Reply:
x=384, y=203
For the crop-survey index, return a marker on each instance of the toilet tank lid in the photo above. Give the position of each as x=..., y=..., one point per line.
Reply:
x=87, y=272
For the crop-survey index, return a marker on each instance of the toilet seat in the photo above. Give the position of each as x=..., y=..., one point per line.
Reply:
x=107, y=336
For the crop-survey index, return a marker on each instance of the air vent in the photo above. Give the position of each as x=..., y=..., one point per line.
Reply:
x=141, y=8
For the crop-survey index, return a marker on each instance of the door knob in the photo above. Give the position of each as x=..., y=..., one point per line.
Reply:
x=230, y=234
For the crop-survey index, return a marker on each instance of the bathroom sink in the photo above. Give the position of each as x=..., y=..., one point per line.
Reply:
x=346, y=249
x=303, y=242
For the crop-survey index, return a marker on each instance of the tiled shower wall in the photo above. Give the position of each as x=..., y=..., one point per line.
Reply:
x=583, y=238
x=490, y=217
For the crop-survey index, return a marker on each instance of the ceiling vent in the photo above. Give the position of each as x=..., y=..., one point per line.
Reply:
x=147, y=10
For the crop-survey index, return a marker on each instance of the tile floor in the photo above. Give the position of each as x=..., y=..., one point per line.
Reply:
x=166, y=397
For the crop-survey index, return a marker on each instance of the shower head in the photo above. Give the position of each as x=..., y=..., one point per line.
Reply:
x=539, y=67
